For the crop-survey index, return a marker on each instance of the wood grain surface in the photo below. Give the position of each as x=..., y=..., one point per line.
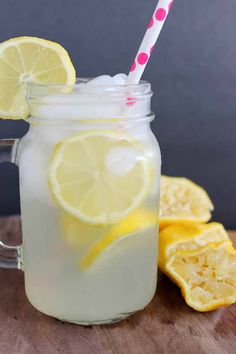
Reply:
x=166, y=326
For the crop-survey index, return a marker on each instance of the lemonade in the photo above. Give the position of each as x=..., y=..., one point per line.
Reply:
x=89, y=183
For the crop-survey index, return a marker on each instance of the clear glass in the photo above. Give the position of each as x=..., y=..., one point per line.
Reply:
x=122, y=279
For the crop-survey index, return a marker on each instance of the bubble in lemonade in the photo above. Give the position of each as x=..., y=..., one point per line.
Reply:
x=89, y=206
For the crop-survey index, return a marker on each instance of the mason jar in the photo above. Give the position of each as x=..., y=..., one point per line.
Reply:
x=89, y=170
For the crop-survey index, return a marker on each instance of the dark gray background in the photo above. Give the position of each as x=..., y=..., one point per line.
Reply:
x=192, y=70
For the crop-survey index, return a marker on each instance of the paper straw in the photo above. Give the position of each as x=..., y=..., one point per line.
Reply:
x=145, y=50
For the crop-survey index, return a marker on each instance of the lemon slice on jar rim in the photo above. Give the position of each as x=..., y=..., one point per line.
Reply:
x=30, y=59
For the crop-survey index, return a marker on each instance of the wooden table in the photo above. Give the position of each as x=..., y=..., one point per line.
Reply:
x=166, y=326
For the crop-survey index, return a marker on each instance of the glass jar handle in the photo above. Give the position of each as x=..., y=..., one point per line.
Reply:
x=10, y=256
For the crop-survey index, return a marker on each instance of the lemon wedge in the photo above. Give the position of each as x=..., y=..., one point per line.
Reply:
x=99, y=176
x=183, y=201
x=30, y=59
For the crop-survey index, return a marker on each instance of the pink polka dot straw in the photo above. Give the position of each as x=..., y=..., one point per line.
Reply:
x=153, y=31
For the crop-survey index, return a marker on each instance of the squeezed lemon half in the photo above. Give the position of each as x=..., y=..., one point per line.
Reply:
x=99, y=177
x=200, y=258
x=187, y=237
x=206, y=276
x=30, y=59
x=183, y=201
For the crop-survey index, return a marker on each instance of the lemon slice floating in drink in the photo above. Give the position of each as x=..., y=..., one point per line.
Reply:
x=30, y=59
x=135, y=222
x=99, y=176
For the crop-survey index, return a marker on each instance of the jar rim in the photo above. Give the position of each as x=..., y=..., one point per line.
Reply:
x=39, y=90
x=115, y=103
x=84, y=80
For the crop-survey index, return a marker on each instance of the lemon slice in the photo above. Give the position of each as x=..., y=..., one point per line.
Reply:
x=183, y=201
x=206, y=276
x=135, y=222
x=30, y=59
x=187, y=237
x=99, y=176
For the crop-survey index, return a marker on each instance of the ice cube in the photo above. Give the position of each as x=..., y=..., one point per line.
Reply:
x=120, y=79
x=120, y=160
x=33, y=164
x=101, y=80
